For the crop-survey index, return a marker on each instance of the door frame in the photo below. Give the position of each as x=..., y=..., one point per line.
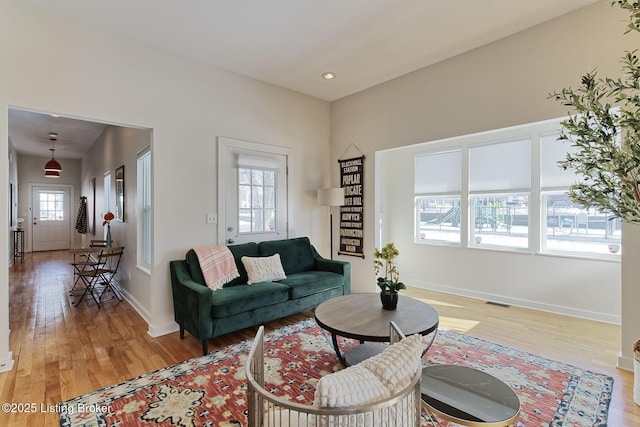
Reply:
x=72, y=206
x=225, y=144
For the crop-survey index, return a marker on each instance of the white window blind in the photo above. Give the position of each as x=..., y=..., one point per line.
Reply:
x=439, y=172
x=504, y=166
x=258, y=162
x=551, y=152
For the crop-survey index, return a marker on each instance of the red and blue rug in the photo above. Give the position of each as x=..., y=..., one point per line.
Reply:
x=211, y=390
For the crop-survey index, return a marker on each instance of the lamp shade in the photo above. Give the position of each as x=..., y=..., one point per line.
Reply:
x=52, y=174
x=53, y=165
x=331, y=196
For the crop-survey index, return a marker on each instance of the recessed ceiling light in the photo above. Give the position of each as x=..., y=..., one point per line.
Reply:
x=55, y=115
x=328, y=75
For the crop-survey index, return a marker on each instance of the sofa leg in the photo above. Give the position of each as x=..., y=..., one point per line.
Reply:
x=205, y=347
x=181, y=332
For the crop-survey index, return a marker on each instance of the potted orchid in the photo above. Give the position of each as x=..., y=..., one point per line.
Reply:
x=385, y=260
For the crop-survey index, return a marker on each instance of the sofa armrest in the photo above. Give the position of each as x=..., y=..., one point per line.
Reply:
x=191, y=302
x=339, y=267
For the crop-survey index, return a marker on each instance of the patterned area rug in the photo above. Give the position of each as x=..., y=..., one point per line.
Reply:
x=210, y=390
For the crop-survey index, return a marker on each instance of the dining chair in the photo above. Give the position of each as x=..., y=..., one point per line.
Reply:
x=99, y=276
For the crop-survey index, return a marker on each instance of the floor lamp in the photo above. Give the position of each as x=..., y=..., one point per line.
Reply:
x=331, y=197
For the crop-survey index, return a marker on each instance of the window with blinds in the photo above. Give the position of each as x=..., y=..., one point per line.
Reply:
x=506, y=189
x=438, y=186
x=499, y=187
x=257, y=193
x=566, y=226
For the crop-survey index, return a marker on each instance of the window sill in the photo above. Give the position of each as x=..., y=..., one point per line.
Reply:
x=144, y=269
x=586, y=257
x=437, y=243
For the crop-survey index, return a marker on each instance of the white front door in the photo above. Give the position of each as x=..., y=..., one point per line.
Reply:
x=253, y=188
x=51, y=218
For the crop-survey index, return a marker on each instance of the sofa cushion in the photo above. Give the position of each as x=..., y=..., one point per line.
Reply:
x=263, y=269
x=238, y=251
x=240, y=298
x=311, y=282
x=296, y=254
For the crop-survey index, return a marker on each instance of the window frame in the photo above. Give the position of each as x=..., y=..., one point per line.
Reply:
x=473, y=242
x=106, y=193
x=56, y=201
x=253, y=187
x=450, y=190
x=144, y=202
x=536, y=210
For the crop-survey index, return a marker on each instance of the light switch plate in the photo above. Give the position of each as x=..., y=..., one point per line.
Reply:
x=212, y=218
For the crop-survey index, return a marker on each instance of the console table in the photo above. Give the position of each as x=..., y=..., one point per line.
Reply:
x=18, y=244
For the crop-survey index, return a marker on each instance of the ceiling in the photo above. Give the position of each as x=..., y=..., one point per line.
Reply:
x=29, y=133
x=290, y=43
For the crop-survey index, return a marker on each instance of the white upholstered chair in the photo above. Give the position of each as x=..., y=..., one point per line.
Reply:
x=399, y=407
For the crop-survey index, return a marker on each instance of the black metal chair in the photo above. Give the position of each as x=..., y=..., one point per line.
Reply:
x=99, y=276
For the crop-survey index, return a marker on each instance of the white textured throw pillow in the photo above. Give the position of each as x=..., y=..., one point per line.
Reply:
x=397, y=364
x=263, y=269
x=355, y=385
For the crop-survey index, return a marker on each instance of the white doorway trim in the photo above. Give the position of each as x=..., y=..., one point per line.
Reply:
x=29, y=222
x=225, y=144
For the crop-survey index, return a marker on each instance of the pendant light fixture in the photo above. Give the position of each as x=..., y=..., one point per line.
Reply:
x=52, y=169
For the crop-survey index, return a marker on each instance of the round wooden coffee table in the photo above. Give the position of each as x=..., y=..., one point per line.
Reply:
x=361, y=317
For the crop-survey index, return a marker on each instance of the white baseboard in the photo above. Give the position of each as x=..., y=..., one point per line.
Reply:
x=139, y=308
x=625, y=363
x=154, y=330
x=534, y=305
x=6, y=363
x=164, y=329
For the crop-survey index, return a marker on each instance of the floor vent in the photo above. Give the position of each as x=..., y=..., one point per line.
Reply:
x=498, y=304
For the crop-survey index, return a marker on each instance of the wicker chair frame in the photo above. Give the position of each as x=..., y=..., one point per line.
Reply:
x=268, y=410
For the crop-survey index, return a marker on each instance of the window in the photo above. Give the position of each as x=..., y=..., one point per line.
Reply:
x=438, y=184
x=499, y=186
x=500, y=220
x=52, y=206
x=107, y=199
x=567, y=227
x=107, y=192
x=256, y=200
x=252, y=191
x=504, y=189
x=144, y=207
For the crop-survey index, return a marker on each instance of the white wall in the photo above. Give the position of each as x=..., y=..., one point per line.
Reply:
x=565, y=285
x=118, y=146
x=56, y=64
x=499, y=85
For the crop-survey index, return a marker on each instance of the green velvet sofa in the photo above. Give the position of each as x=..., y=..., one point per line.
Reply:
x=205, y=313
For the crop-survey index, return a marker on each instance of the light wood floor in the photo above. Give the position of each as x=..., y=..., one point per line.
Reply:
x=61, y=351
